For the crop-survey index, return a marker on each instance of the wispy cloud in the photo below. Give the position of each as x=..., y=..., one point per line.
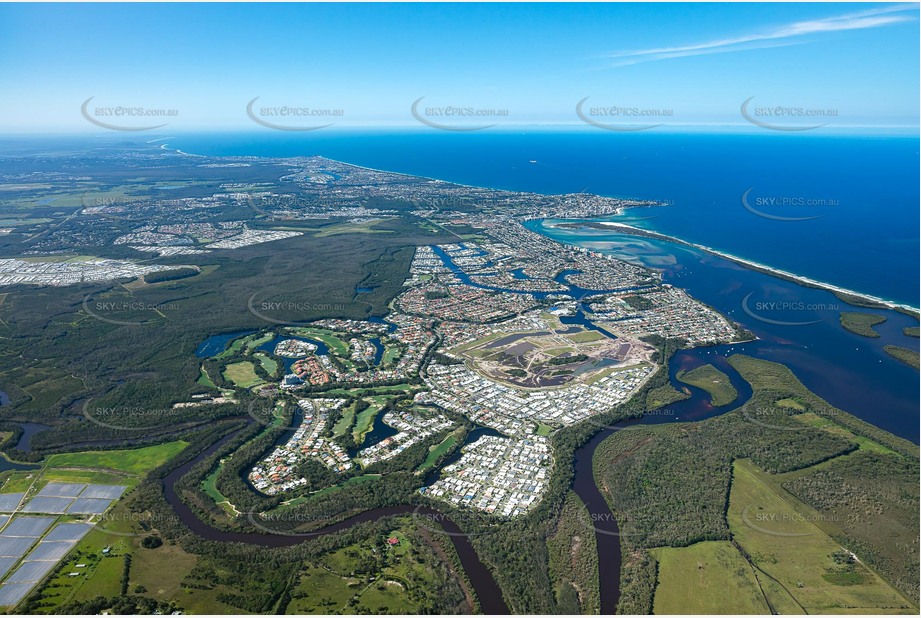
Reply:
x=777, y=37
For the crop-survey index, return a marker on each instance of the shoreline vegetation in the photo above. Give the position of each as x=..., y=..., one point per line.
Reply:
x=681, y=490
x=852, y=297
x=909, y=357
x=712, y=380
x=861, y=323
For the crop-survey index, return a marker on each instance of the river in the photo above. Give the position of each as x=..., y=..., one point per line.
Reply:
x=487, y=591
x=845, y=369
x=696, y=408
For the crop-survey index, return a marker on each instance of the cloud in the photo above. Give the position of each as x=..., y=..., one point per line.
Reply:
x=777, y=37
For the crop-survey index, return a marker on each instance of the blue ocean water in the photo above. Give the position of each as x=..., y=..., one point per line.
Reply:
x=860, y=193
x=794, y=325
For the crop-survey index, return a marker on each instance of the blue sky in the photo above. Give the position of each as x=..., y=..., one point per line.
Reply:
x=700, y=62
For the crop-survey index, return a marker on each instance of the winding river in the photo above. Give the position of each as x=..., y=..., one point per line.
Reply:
x=487, y=591
x=696, y=408
x=845, y=371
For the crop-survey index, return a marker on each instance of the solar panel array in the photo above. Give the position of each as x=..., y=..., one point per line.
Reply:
x=5, y=565
x=29, y=572
x=10, y=502
x=69, y=498
x=15, y=547
x=62, y=490
x=70, y=531
x=47, y=504
x=11, y=594
x=20, y=533
x=32, y=527
x=103, y=491
x=50, y=550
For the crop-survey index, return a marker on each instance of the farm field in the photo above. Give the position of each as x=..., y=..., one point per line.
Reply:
x=696, y=579
x=788, y=545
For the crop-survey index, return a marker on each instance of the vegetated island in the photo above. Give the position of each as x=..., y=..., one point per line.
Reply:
x=912, y=331
x=712, y=380
x=861, y=323
x=909, y=357
x=663, y=396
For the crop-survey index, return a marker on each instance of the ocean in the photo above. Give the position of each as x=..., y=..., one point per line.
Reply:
x=843, y=210
x=794, y=325
x=839, y=209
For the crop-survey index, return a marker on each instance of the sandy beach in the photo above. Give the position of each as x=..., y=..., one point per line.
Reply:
x=807, y=281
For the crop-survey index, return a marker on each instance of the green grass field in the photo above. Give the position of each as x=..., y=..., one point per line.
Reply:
x=366, y=227
x=712, y=380
x=205, y=380
x=437, y=451
x=554, y=352
x=131, y=461
x=336, y=345
x=822, y=422
x=269, y=364
x=209, y=486
x=710, y=577
x=344, y=424
x=235, y=346
x=342, y=582
x=352, y=392
x=19, y=481
x=365, y=420
x=252, y=344
x=789, y=402
x=319, y=591
x=391, y=354
x=242, y=374
x=585, y=337
x=789, y=545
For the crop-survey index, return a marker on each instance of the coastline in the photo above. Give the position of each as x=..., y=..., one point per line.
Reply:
x=845, y=294
x=628, y=202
